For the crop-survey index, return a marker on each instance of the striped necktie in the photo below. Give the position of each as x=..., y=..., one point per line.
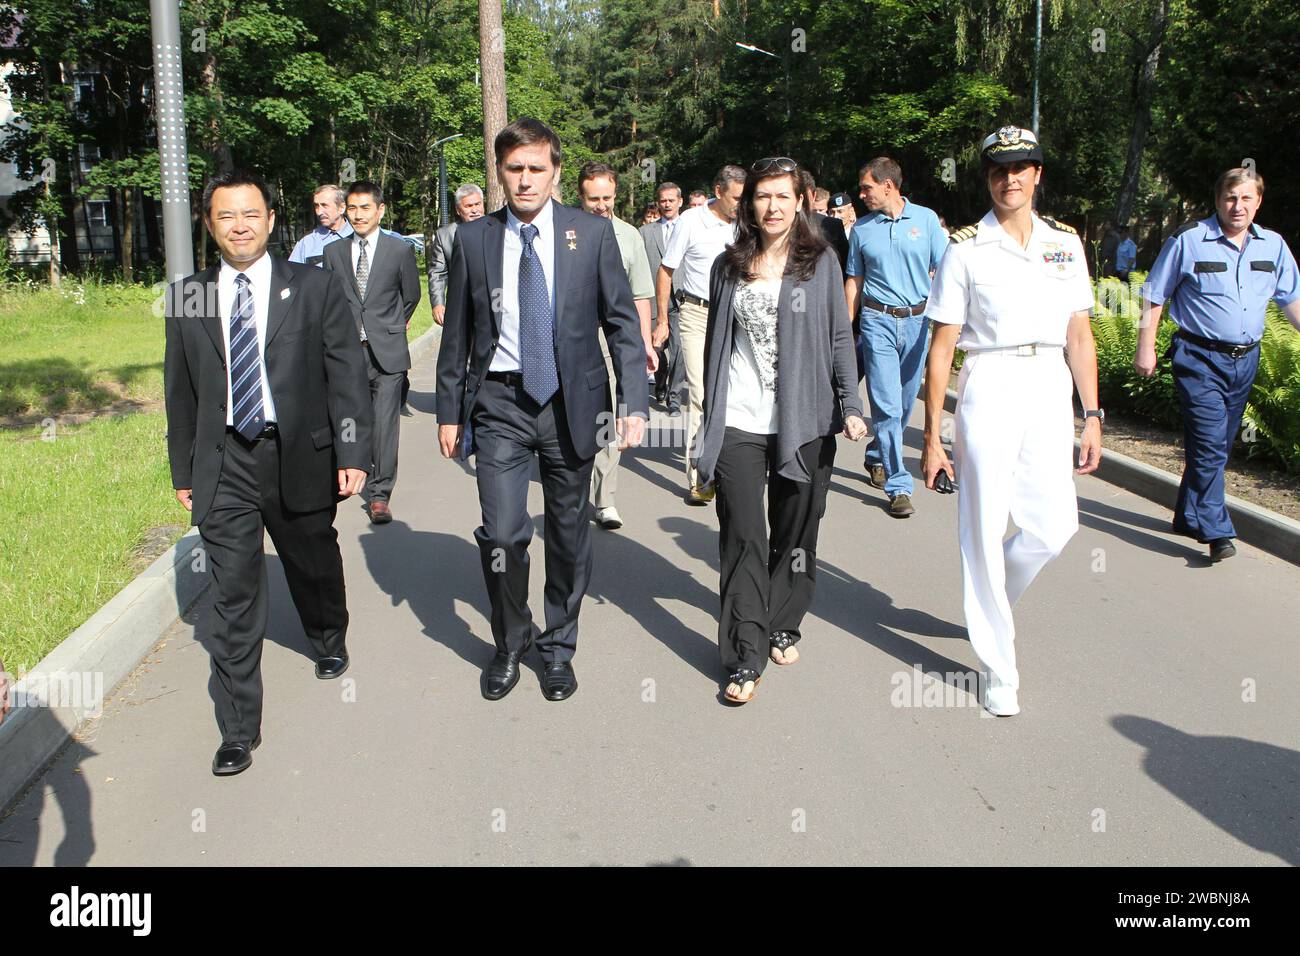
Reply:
x=245, y=364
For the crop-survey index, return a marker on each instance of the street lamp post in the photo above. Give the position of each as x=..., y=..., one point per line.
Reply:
x=169, y=109
x=442, y=177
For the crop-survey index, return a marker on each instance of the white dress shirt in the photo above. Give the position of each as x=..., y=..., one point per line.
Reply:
x=698, y=238
x=506, y=358
x=372, y=240
x=259, y=287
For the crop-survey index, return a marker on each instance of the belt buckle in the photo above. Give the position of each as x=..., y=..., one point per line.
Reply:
x=1238, y=351
x=1031, y=349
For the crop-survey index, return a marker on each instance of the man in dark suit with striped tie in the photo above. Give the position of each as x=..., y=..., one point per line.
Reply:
x=521, y=374
x=268, y=425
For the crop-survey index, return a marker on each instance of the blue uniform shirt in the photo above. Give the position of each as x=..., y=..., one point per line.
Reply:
x=1218, y=291
x=895, y=257
x=311, y=247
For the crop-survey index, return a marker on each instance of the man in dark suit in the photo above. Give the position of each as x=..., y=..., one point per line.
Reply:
x=521, y=372
x=469, y=206
x=671, y=372
x=382, y=285
x=268, y=424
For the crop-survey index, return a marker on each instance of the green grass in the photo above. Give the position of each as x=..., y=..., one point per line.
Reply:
x=75, y=507
x=78, y=349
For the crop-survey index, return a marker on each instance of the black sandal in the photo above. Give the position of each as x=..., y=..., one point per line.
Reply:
x=783, y=641
x=740, y=678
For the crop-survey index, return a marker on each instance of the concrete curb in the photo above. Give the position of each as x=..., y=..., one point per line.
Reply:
x=74, y=680
x=70, y=685
x=1267, y=530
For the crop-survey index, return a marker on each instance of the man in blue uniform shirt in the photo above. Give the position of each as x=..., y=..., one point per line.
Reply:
x=1216, y=276
x=329, y=202
x=893, y=252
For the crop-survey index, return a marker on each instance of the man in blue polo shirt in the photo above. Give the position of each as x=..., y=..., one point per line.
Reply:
x=330, y=203
x=893, y=252
x=1216, y=276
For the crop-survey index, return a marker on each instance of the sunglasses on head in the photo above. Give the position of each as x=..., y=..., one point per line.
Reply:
x=781, y=163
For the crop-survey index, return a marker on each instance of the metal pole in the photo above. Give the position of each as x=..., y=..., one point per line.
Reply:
x=169, y=108
x=442, y=177
x=1038, y=49
x=442, y=188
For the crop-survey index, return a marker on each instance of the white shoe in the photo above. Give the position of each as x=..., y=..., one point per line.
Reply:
x=998, y=699
x=609, y=518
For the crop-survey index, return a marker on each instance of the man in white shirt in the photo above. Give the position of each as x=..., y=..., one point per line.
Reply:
x=702, y=233
x=671, y=371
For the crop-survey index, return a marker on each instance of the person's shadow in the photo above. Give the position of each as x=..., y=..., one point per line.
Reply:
x=847, y=603
x=429, y=572
x=1128, y=526
x=635, y=578
x=1246, y=788
x=20, y=831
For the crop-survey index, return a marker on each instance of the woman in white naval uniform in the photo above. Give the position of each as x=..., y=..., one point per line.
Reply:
x=1013, y=292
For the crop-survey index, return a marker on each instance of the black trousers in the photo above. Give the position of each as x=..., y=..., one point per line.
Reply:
x=671, y=373
x=509, y=430
x=386, y=404
x=248, y=501
x=767, y=577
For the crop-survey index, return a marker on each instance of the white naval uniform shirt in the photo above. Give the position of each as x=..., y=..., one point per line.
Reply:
x=259, y=287
x=1004, y=295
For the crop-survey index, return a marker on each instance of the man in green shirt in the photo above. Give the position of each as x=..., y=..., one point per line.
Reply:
x=597, y=187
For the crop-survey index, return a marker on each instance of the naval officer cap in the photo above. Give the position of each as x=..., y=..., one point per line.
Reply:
x=1011, y=144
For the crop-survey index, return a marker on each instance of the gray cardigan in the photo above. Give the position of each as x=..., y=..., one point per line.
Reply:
x=817, y=371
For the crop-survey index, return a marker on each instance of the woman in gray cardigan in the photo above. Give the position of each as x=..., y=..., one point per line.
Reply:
x=780, y=380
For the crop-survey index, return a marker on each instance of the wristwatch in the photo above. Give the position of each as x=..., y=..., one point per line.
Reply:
x=1097, y=413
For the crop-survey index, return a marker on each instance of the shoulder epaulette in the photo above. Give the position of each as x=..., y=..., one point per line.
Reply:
x=964, y=233
x=1059, y=225
x=1185, y=226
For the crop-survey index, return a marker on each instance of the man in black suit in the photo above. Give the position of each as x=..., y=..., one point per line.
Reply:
x=268, y=424
x=521, y=372
x=382, y=285
x=671, y=373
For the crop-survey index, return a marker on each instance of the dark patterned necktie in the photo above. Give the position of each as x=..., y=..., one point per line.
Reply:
x=363, y=267
x=245, y=364
x=536, y=330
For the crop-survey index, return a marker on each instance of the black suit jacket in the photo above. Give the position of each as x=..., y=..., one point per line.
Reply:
x=392, y=293
x=591, y=292
x=833, y=231
x=316, y=372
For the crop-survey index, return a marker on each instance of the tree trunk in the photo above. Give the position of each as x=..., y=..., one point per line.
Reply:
x=1143, y=84
x=128, y=234
x=492, y=65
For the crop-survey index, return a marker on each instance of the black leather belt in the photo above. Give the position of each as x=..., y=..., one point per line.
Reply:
x=693, y=299
x=1214, y=345
x=897, y=311
x=513, y=379
x=269, y=430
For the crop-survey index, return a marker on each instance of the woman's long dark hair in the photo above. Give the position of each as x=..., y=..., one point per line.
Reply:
x=806, y=242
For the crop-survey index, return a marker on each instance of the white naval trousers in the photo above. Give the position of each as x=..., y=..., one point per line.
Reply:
x=1015, y=459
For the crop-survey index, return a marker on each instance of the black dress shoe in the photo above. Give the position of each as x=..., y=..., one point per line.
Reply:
x=328, y=668
x=558, y=680
x=234, y=757
x=502, y=674
x=1221, y=548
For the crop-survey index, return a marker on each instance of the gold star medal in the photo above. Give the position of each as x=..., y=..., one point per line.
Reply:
x=573, y=239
